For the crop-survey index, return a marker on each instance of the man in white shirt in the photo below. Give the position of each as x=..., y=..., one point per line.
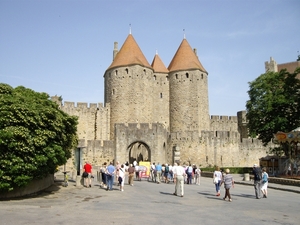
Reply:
x=179, y=174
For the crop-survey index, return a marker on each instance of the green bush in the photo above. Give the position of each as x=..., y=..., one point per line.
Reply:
x=234, y=170
x=35, y=136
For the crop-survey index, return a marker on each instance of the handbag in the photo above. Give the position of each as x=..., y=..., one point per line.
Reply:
x=216, y=180
x=85, y=174
x=120, y=179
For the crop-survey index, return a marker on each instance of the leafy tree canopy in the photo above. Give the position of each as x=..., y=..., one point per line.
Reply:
x=274, y=104
x=35, y=136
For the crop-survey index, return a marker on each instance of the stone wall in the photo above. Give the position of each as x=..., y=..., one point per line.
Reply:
x=92, y=119
x=222, y=148
x=33, y=187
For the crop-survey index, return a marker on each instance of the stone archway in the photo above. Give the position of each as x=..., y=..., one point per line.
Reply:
x=139, y=151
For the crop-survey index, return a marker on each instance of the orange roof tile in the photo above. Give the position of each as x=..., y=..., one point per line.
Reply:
x=158, y=65
x=129, y=54
x=185, y=59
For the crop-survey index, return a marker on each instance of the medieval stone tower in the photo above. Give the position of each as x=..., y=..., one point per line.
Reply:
x=158, y=114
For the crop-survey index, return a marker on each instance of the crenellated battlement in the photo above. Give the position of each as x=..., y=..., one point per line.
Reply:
x=224, y=123
x=82, y=105
x=223, y=118
x=142, y=126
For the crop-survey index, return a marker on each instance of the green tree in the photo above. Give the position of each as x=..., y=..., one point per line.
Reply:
x=35, y=136
x=274, y=105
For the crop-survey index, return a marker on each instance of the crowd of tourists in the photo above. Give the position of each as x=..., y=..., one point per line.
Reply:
x=177, y=174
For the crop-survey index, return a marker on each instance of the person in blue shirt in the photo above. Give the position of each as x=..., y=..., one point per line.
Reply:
x=110, y=173
x=158, y=172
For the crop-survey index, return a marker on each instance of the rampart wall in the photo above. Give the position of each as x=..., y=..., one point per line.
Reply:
x=93, y=119
x=223, y=145
x=223, y=148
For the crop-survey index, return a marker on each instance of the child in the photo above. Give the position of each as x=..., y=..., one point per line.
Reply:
x=264, y=188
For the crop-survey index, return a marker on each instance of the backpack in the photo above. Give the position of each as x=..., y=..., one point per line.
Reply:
x=167, y=169
x=257, y=174
x=265, y=178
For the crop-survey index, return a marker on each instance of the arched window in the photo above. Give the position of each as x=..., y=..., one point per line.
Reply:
x=154, y=77
x=126, y=70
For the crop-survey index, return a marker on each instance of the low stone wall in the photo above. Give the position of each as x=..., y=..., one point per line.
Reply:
x=276, y=180
x=33, y=187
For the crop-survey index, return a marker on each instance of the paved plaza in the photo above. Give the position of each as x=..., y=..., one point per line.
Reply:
x=149, y=203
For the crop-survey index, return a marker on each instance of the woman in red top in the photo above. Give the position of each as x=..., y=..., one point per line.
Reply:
x=88, y=168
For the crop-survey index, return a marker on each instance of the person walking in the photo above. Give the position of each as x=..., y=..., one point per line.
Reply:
x=153, y=172
x=217, y=180
x=158, y=172
x=170, y=175
x=228, y=183
x=118, y=166
x=88, y=168
x=137, y=171
x=189, y=172
x=257, y=180
x=265, y=177
x=110, y=173
x=103, y=175
x=131, y=170
x=197, y=175
x=179, y=174
x=166, y=174
x=121, y=177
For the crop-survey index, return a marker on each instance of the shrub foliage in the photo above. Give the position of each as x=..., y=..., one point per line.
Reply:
x=35, y=136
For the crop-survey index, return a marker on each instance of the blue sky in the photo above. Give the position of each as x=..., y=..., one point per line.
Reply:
x=63, y=47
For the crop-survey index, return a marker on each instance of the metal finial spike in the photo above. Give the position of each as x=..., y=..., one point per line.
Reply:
x=183, y=33
x=130, y=28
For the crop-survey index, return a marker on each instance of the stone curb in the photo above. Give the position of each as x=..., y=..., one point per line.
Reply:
x=270, y=186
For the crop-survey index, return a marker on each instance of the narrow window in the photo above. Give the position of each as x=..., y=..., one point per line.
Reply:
x=160, y=95
x=176, y=75
x=126, y=70
x=202, y=76
x=187, y=75
x=116, y=72
x=113, y=91
x=154, y=77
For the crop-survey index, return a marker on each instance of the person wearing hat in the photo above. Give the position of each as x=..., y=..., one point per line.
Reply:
x=257, y=180
x=228, y=183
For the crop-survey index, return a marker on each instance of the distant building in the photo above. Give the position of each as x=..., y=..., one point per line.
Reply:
x=272, y=66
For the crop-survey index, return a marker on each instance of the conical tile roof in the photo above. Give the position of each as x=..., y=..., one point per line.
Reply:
x=185, y=59
x=158, y=65
x=129, y=54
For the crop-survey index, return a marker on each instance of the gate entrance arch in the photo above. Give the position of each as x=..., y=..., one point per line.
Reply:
x=139, y=151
